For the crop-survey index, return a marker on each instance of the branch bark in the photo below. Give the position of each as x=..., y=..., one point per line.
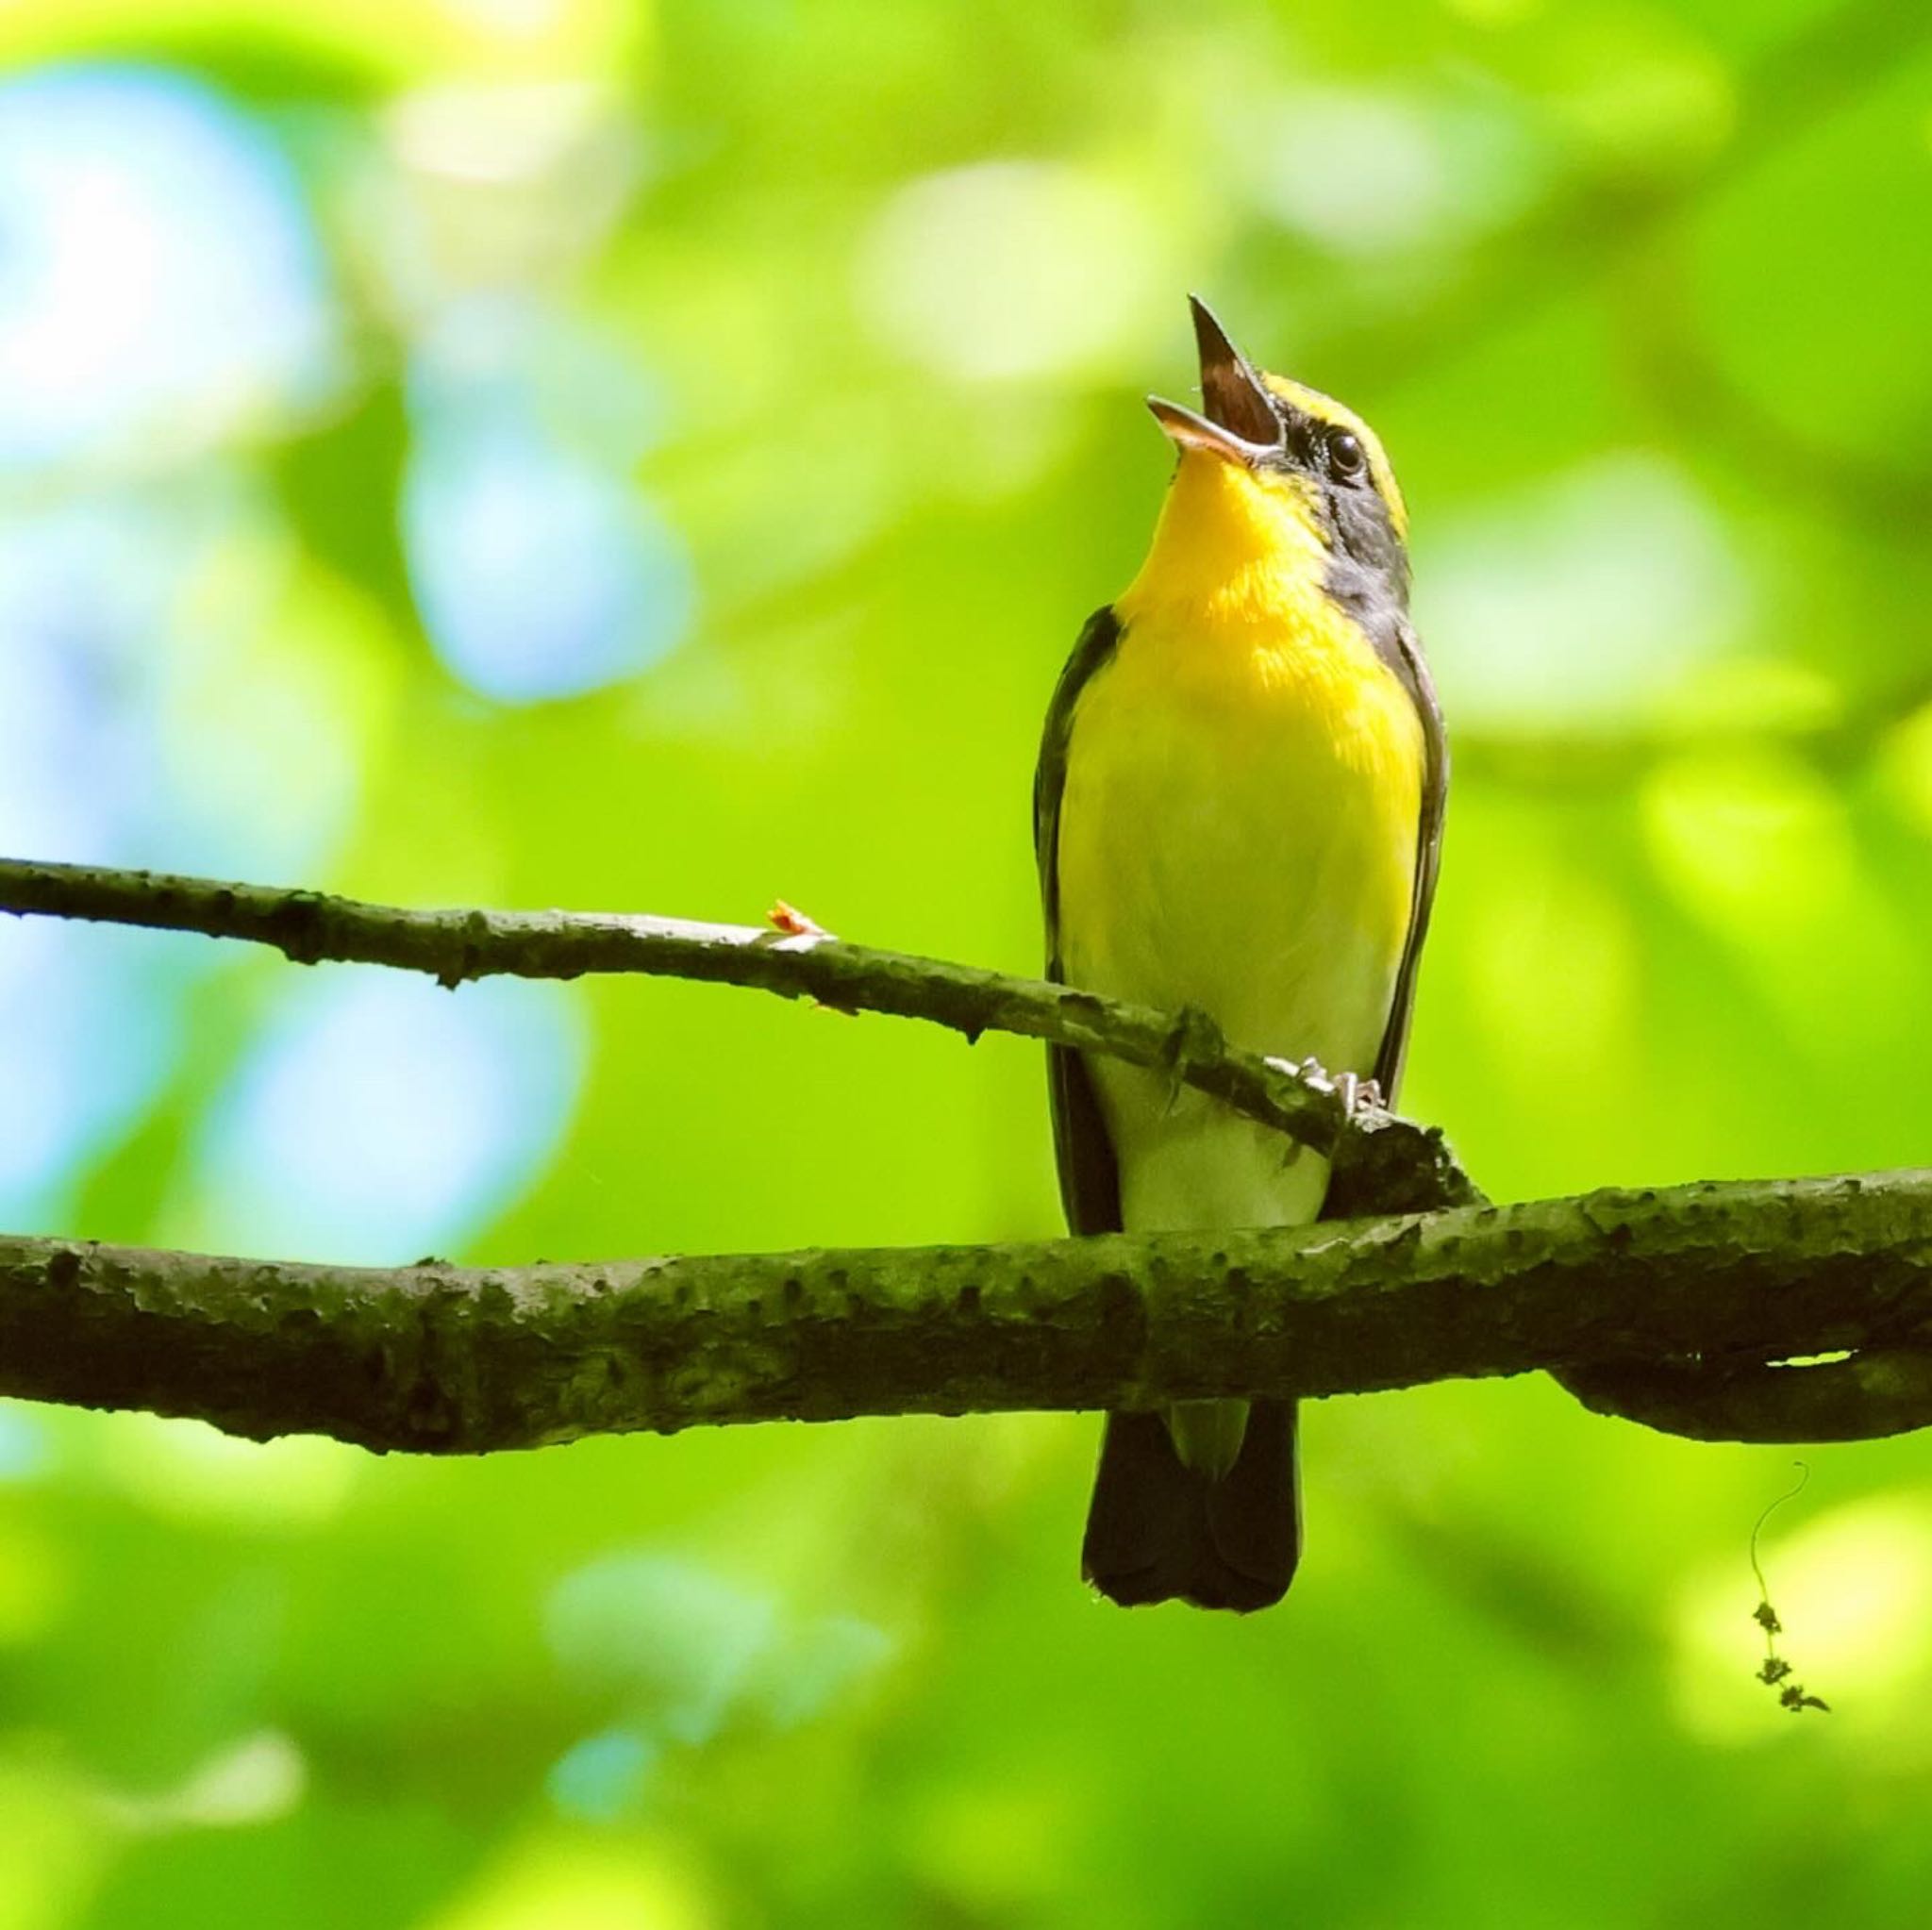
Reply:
x=1675, y=1309
x=455, y=1360
x=1395, y=1166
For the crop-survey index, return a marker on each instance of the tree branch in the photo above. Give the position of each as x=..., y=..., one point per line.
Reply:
x=1396, y=1167
x=1670, y=1308
x=447, y=1359
x=1865, y=1396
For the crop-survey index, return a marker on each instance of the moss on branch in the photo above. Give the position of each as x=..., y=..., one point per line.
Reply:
x=1674, y=1308
x=449, y=1359
x=1407, y=1168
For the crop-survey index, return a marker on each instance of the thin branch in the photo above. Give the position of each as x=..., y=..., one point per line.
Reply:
x=447, y=1359
x=1866, y=1397
x=1397, y=1167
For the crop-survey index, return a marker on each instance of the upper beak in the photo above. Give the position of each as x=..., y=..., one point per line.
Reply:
x=1240, y=424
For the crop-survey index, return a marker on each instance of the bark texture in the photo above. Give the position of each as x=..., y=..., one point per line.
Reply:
x=1400, y=1166
x=1681, y=1309
x=446, y=1359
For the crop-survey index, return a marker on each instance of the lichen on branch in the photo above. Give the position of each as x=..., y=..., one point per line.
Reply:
x=449, y=1359
x=1682, y=1308
x=1400, y=1164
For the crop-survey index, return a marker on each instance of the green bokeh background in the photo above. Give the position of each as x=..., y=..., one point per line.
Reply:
x=849, y=307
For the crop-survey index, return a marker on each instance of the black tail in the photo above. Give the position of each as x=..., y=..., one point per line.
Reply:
x=1157, y=1532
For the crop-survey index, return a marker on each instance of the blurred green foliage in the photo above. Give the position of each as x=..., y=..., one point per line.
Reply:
x=558, y=452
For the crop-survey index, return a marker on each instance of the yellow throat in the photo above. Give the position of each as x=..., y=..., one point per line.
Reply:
x=1230, y=546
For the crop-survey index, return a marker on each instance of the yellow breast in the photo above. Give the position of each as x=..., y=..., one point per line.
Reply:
x=1238, y=832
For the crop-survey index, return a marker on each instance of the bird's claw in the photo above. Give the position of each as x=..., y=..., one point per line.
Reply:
x=1357, y=1096
x=1193, y=1038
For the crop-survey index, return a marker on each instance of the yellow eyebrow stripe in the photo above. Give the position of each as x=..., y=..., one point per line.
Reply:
x=1326, y=409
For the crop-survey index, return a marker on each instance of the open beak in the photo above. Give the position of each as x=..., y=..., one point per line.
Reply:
x=1239, y=423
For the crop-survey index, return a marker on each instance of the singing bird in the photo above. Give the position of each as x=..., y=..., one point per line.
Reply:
x=1238, y=809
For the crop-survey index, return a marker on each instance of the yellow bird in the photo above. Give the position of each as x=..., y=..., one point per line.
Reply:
x=1238, y=808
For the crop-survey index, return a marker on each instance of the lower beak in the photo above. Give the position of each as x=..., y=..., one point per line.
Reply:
x=1187, y=430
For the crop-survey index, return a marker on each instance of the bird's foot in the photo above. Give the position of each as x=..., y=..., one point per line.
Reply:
x=1192, y=1038
x=1357, y=1096
x=1356, y=1093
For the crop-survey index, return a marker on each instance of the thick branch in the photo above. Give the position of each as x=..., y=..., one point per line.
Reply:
x=1402, y=1167
x=446, y=1359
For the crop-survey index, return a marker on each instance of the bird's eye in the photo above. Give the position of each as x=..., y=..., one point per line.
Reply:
x=1347, y=458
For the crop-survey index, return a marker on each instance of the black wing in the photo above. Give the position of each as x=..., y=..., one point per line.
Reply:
x=1090, y=1178
x=1402, y=650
